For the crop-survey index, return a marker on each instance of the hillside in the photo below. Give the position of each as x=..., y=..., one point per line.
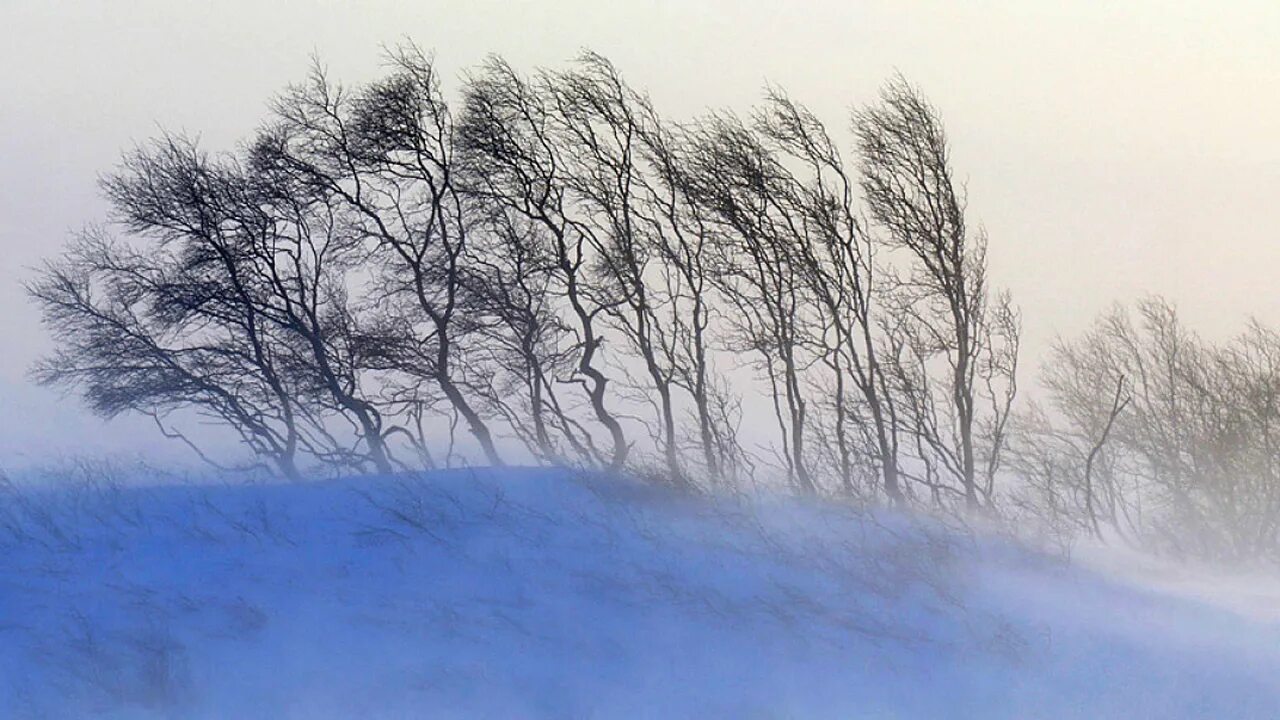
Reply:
x=540, y=593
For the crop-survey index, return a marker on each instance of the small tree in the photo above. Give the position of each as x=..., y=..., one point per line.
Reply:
x=945, y=317
x=1186, y=443
x=179, y=326
x=516, y=159
x=746, y=197
x=384, y=159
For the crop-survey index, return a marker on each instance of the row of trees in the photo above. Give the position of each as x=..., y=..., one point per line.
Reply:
x=548, y=269
x=1156, y=436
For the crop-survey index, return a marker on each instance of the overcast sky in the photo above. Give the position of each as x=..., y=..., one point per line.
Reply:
x=1110, y=149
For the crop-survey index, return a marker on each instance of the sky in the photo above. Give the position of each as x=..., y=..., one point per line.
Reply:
x=1111, y=150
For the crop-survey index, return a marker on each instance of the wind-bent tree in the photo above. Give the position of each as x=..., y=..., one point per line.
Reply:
x=1065, y=457
x=945, y=315
x=385, y=158
x=298, y=243
x=599, y=122
x=1187, y=440
x=516, y=158
x=835, y=257
x=681, y=237
x=124, y=354
x=628, y=174
x=283, y=250
x=180, y=323
x=745, y=195
x=523, y=340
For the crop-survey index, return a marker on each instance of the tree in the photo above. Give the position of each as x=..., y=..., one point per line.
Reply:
x=516, y=159
x=945, y=313
x=385, y=158
x=745, y=195
x=179, y=326
x=682, y=239
x=835, y=257
x=1187, y=440
x=510, y=284
x=282, y=250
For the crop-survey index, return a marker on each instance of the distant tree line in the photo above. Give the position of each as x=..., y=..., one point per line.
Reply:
x=1155, y=436
x=545, y=269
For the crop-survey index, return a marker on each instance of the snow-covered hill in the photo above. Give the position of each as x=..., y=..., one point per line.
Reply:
x=539, y=593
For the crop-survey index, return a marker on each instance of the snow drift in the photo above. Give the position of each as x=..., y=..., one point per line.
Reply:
x=545, y=593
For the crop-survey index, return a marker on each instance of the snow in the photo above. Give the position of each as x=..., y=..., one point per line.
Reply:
x=547, y=593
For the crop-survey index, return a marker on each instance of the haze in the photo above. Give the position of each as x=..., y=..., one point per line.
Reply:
x=1110, y=151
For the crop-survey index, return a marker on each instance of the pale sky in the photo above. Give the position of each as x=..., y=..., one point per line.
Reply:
x=1110, y=149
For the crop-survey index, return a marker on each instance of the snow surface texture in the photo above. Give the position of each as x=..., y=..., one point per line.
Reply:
x=545, y=594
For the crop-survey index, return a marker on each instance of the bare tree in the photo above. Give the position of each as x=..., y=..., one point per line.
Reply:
x=279, y=255
x=682, y=237
x=384, y=157
x=510, y=284
x=745, y=195
x=1068, y=471
x=177, y=326
x=835, y=257
x=1187, y=441
x=282, y=250
x=602, y=123
x=516, y=158
x=947, y=316
x=298, y=242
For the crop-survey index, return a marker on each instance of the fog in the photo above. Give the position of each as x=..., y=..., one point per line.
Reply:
x=1109, y=151
x=1099, y=540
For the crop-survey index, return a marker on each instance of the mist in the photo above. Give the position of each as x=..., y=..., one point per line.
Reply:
x=577, y=359
x=1111, y=152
